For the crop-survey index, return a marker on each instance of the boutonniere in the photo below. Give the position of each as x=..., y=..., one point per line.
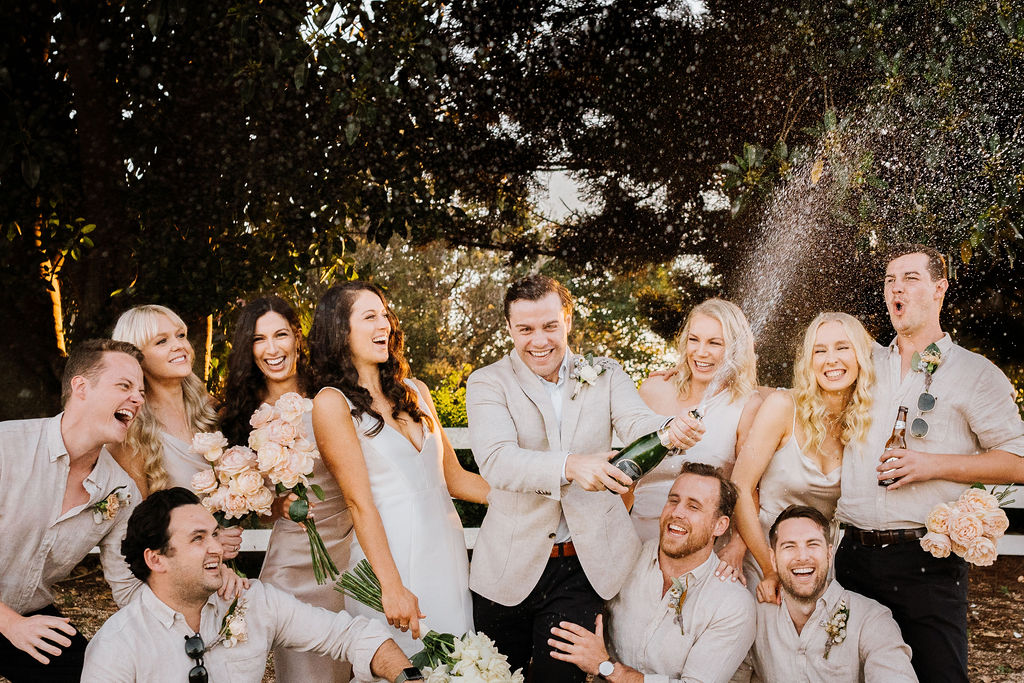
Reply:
x=585, y=370
x=676, y=598
x=835, y=627
x=928, y=361
x=108, y=508
x=233, y=629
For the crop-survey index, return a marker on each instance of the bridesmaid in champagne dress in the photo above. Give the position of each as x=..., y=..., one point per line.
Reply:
x=794, y=453
x=267, y=361
x=378, y=431
x=716, y=351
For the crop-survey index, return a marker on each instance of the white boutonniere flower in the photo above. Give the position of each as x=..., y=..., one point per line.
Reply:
x=108, y=508
x=585, y=370
x=233, y=629
x=676, y=598
x=927, y=361
x=835, y=627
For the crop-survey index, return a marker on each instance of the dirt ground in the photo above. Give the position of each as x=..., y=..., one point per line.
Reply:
x=996, y=615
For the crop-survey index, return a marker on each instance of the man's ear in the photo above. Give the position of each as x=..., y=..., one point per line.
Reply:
x=155, y=560
x=771, y=555
x=79, y=383
x=941, y=286
x=721, y=526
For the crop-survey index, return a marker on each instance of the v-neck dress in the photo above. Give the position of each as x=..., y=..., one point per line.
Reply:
x=423, y=529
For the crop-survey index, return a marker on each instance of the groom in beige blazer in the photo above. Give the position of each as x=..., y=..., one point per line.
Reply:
x=556, y=542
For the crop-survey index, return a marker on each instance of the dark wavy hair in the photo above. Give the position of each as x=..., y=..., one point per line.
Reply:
x=246, y=384
x=148, y=527
x=331, y=357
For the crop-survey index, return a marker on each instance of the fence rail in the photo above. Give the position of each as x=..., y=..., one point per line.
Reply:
x=255, y=540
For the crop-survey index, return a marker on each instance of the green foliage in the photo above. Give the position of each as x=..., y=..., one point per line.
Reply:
x=450, y=399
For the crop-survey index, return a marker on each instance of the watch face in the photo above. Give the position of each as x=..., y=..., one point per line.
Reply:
x=410, y=674
x=606, y=668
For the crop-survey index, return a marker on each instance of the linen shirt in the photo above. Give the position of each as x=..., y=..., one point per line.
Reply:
x=873, y=650
x=145, y=641
x=554, y=390
x=41, y=546
x=717, y=624
x=974, y=412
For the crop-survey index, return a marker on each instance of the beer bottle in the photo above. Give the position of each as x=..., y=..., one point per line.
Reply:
x=898, y=439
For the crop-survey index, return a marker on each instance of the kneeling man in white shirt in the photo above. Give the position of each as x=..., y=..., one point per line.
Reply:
x=673, y=620
x=821, y=632
x=178, y=628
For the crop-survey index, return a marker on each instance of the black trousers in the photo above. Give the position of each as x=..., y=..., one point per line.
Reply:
x=927, y=596
x=18, y=666
x=521, y=631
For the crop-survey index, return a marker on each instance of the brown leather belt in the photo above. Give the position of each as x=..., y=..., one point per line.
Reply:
x=566, y=549
x=873, y=538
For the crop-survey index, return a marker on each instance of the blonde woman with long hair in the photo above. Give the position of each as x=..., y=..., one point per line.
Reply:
x=717, y=371
x=794, y=452
x=156, y=451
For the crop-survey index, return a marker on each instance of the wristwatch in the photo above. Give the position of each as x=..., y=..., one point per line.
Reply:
x=606, y=668
x=409, y=674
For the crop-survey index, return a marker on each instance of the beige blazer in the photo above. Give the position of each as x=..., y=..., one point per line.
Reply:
x=520, y=452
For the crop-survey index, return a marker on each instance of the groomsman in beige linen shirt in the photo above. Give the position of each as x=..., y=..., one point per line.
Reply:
x=554, y=543
x=179, y=629
x=821, y=632
x=673, y=621
x=55, y=475
x=963, y=427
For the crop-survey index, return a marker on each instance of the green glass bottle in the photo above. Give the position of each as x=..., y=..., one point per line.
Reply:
x=647, y=452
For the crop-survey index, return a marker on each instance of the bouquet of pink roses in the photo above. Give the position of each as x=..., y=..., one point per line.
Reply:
x=970, y=526
x=285, y=454
x=233, y=487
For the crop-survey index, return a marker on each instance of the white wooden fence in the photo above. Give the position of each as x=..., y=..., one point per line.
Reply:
x=255, y=540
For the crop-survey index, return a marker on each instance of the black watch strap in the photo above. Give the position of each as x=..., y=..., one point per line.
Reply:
x=409, y=674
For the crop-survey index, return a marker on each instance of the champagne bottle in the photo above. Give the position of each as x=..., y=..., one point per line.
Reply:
x=646, y=453
x=898, y=439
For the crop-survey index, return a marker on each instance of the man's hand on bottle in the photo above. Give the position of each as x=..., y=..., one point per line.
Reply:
x=684, y=431
x=593, y=472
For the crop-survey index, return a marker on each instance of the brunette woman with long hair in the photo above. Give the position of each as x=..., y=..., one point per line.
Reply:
x=378, y=432
x=268, y=360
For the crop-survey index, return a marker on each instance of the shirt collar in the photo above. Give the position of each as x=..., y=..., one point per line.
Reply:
x=164, y=613
x=563, y=370
x=55, y=447
x=944, y=344
x=697, y=574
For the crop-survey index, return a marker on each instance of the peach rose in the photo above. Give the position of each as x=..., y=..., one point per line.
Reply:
x=259, y=437
x=204, y=482
x=981, y=552
x=236, y=460
x=215, y=501
x=960, y=550
x=301, y=462
x=938, y=518
x=304, y=445
x=235, y=506
x=210, y=445
x=964, y=527
x=974, y=500
x=282, y=432
x=261, y=500
x=937, y=544
x=291, y=406
x=995, y=522
x=263, y=415
x=271, y=455
x=247, y=483
x=285, y=475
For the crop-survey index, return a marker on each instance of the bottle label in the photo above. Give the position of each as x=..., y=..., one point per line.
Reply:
x=630, y=468
x=900, y=424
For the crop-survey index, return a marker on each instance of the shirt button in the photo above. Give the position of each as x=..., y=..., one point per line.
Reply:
x=551, y=535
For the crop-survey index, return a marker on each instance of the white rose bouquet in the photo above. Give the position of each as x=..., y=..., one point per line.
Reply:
x=970, y=527
x=285, y=455
x=445, y=657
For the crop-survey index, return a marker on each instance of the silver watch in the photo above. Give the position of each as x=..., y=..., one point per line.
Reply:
x=606, y=668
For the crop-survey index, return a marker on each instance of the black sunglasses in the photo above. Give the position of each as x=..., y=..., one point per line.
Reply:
x=925, y=403
x=195, y=649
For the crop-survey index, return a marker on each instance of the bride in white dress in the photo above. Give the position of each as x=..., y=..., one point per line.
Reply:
x=378, y=433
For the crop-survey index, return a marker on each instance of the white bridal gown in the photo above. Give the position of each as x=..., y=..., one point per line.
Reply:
x=423, y=529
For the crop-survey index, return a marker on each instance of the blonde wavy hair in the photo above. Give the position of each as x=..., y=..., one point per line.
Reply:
x=138, y=326
x=740, y=359
x=810, y=407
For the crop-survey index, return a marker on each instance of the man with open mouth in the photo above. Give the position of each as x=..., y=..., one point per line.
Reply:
x=63, y=494
x=962, y=427
x=821, y=632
